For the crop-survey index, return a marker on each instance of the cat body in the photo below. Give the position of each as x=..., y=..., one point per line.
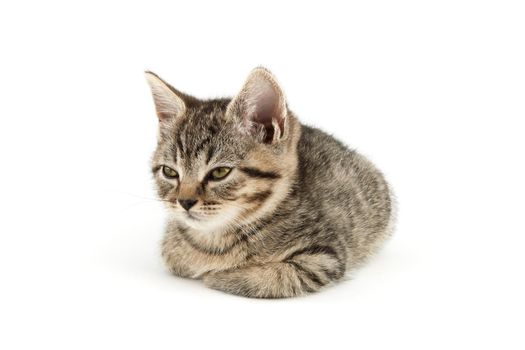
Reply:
x=259, y=204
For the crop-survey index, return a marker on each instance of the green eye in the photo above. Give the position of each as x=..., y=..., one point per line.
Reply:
x=169, y=172
x=220, y=173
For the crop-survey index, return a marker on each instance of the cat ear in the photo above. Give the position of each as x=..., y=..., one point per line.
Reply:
x=260, y=107
x=169, y=102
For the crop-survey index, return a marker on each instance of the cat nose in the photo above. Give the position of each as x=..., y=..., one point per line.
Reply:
x=187, y=203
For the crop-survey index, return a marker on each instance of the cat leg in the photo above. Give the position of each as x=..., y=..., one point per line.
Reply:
x=176, y=258
x=303, y=272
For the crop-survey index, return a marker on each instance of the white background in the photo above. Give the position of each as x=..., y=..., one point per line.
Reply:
x=433, y=92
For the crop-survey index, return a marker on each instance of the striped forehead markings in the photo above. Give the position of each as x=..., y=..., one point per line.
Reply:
x=187, y=126
x=261, y=174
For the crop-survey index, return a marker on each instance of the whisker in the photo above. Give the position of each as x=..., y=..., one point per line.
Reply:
x=143, y=197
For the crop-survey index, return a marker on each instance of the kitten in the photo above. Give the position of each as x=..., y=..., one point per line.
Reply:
x=261, y=205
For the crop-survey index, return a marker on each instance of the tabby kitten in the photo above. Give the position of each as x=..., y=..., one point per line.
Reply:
x=259, y=204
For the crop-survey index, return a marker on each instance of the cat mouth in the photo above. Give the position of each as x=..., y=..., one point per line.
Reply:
x=191, y=216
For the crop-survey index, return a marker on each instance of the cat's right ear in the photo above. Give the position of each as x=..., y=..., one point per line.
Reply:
x=169, y=102
x=261, y=107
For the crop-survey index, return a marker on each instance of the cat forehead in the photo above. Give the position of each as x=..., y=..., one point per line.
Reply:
x=203, y=117
x=204, y=132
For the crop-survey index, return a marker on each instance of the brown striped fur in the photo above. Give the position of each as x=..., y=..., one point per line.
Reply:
x=297, y=210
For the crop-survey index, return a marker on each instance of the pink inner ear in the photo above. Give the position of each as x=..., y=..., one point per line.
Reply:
x=266, y=109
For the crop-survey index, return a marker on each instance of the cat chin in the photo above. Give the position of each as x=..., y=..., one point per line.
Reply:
x=193, y=222
x=204, y=225
x=208, y=224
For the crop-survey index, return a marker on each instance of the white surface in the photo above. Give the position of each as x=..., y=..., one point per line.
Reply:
x=431, y=92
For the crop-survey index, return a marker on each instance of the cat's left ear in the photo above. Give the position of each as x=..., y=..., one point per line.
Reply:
x=260, y=107
x=169, y=102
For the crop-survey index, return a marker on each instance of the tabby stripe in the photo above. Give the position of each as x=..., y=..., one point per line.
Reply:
x=206, y=250
x=332, y=275
x=309, y=274
x=180, y=147
x=172, y=149
x=258, y=196
x=156, y=168
x=318, y=249
x=314, y=249
x=209, y=154
x=252, y=231
x=304, y=285
x=254, y=172
x=201, y=146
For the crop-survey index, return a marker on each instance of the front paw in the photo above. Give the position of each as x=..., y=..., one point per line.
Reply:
x=214, y=279
x=229, y=281
x=179, y=271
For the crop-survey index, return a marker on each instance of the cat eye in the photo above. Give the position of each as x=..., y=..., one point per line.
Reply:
x=219, y=173
x=169, y=172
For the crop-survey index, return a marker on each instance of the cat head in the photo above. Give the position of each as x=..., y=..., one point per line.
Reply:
x=223, y=162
